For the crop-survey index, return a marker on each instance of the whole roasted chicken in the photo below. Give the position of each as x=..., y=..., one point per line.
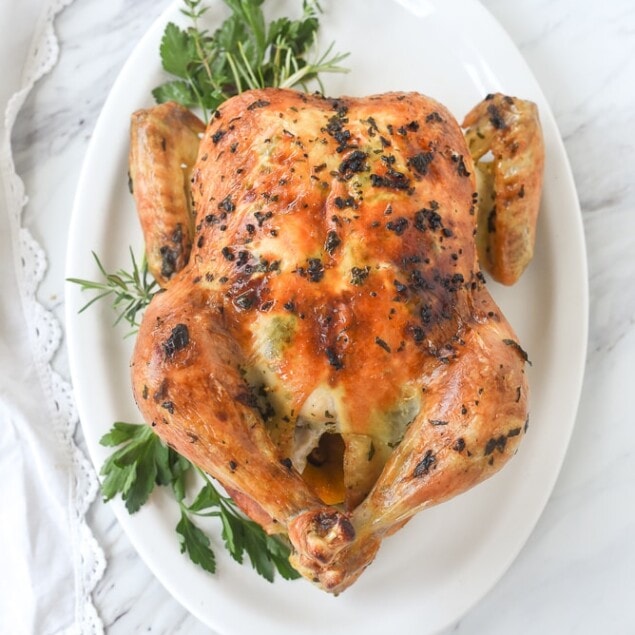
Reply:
x=325, y=345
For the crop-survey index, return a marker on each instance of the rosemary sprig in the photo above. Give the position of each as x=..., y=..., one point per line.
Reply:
x=130, y=291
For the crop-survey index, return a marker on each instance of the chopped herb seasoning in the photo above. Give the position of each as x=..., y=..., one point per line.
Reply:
x=218, y=135
x=426, y=314
x=459, y=445
x=398, y=225
x=418, y=281
x=259, y=103
x=383, y=344
x=491, y=221
x=169, y=258
x=287, y=463
x=359, y=275
x=392, y=180
x=332, y=242
x=247, y=399
x=434, y=117
x=315, y=270
x=169, y=406
x=353, y=163
x=460, y=168
x=178, y=340
x=227, y=253
x=233, y=465
x=496, y=444
x=244, y=301
x=342, y=203
x=420, y=162
x=495, y=117
x=428, y=219
x=401, y=288
x=335, y=128
x=226, y=205
x=261, y=218
x=437, y=422
x=514, y=432
x=519, y=348
x=425, y=465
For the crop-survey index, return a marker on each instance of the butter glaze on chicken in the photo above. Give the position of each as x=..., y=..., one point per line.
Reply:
x=329, y=352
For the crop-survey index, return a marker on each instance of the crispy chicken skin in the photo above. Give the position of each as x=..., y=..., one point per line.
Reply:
x=510, y=184
x=333, y=299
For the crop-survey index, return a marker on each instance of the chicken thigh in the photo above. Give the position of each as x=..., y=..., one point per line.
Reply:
x=330, y=352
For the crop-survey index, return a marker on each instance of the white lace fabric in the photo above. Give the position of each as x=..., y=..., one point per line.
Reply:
x=50, y=560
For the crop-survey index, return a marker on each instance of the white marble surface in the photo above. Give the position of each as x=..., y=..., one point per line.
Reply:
x=576, y=574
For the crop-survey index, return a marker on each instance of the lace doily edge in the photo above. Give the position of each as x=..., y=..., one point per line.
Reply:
x=45, y=335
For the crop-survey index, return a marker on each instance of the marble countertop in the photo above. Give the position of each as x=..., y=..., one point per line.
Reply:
x=576, y=574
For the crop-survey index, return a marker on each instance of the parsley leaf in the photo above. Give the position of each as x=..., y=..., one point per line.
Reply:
x=143, y=460
x=177, y=50
x=243, y=53
x=196, y=543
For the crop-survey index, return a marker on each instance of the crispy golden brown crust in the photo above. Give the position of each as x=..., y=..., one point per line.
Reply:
x=333, y=286
x=163, y=148
x=511, y=183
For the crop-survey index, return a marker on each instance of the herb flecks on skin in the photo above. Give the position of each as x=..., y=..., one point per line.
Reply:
x=207, y=69
x=243, y=53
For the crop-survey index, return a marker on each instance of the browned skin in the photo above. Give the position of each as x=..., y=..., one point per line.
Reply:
x=170, y=134
x=510, y=185
x=333, y=286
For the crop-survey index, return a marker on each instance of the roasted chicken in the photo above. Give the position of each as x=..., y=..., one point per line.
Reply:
x=325, y=345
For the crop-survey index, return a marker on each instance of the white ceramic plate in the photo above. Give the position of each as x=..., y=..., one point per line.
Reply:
x=447, y=558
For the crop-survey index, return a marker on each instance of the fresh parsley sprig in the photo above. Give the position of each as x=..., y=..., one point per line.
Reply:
x=243, y=53
x=143, y=461
x=130, y=291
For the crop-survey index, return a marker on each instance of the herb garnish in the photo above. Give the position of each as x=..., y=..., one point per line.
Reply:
x=243, y=53
x=131, y=291
x=144, y=460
